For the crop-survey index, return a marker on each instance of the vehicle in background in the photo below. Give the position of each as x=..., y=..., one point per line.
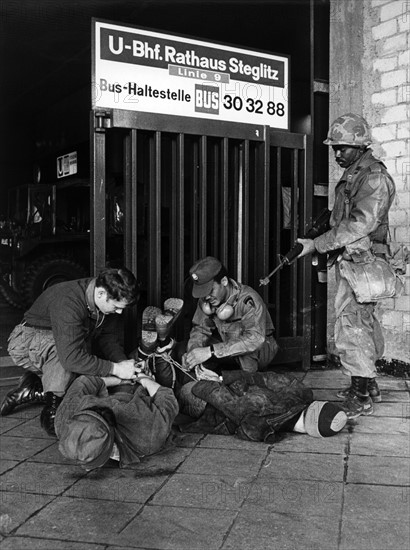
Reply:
x=45, y=238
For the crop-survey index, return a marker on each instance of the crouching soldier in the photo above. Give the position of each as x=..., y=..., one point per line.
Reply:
x=130, y=422
x=231, y=324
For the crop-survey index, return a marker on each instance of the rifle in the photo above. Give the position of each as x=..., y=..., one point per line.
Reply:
x=319, y=226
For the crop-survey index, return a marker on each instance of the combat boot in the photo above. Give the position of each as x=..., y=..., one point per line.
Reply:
x=29, y=390
x=345, y=392
x=48, y=414
x=358, y=402
x=372, y=388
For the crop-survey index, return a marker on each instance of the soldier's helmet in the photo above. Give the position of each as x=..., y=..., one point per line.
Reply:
x=349, y=129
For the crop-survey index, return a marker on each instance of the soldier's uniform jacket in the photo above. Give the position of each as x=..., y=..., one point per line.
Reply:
x=360, y=215
x=244, y=332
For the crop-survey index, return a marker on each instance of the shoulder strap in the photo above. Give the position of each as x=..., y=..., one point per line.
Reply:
x=364, y=164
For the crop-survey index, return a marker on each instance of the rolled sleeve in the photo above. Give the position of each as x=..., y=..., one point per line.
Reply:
x=202, y=329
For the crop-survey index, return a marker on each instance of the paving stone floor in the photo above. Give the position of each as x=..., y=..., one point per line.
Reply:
x=348, y=492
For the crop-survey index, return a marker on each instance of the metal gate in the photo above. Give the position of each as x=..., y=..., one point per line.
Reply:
x=191, y=188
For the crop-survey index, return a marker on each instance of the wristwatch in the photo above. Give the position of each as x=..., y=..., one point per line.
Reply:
x=211, y=347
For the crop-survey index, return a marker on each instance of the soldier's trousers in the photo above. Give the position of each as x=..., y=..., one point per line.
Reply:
x=34, y=349
x=358, y=335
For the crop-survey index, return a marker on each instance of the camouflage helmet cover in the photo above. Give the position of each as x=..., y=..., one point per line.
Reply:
x=350, y=130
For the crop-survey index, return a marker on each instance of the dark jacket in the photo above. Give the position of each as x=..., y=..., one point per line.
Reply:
x=254, y=406
x=143, y=423
x=79, y=329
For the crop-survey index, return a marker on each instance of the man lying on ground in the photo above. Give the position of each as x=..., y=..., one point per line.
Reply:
x=130, y=422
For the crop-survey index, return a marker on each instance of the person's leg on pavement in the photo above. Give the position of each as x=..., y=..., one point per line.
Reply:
x=373, y=342
x=358, y=352
x=55, y=380
x=249, y=362
x=345, y=303
x=318, y=419
x=29, y=388
x=259, y=360
x=35, y=349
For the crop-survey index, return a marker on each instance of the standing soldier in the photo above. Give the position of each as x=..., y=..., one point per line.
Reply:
x=359, y=228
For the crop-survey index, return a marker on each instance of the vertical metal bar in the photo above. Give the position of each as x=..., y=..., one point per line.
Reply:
x=53, y=209
x=216, y=186
x=262, y=207
x=236, y=175
x=173, y=215
x=306, y=268
x=180, y=200
x=154, y=221
x=203, y=163
x=244, y=259
x=194, y=205
x=294, y=231
x=130, y=195
x=296, y=195
x=177, y=222
x=239, y=231
x=97, y=200
x=130, y=230
x=277, y=230
x=29, y=204
x=224, y=214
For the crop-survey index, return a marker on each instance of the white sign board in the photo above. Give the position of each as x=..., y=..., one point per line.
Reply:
x=151, y=72
x=67, y=165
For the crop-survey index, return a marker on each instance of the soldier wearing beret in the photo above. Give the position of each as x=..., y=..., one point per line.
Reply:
x=231, y=324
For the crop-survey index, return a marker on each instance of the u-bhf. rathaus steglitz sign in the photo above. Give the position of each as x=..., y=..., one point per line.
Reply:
x=147, y=71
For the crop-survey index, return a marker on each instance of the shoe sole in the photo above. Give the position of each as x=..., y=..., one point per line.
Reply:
x=363, y=413
x=7, y=408
x=376, y=399
x=148, y=317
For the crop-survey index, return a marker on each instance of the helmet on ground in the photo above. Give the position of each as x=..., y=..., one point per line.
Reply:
x=349, y=129
x=324, y=418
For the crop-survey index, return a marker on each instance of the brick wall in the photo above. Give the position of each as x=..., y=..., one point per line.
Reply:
x=381, y=71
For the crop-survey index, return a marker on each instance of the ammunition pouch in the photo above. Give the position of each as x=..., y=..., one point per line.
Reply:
x=396, y=254
x=371, y=277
